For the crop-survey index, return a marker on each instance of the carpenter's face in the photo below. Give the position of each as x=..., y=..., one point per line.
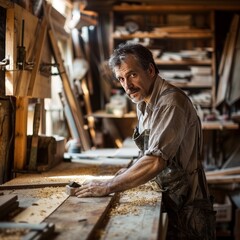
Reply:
x=136, y=81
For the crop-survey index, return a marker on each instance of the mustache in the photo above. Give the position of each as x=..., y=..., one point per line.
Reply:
x=131, y=90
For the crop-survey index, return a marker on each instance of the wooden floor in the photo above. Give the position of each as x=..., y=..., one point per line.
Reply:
x=42, y=198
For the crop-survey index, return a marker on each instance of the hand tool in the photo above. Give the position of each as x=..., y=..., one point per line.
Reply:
x=71, y=188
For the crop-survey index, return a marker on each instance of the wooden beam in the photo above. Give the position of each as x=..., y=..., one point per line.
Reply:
x=6, y=4
x=40, y=46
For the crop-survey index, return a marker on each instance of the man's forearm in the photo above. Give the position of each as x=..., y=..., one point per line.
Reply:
x=145, y=169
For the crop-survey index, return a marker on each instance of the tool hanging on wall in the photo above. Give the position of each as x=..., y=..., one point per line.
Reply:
x=21, y=53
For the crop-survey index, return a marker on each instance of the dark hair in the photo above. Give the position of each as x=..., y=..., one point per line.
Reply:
x=141, y=53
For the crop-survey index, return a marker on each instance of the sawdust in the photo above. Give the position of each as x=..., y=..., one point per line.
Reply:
x=47, y=192
x=130, y=200
x=12, y=234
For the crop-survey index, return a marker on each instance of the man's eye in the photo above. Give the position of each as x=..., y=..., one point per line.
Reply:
x=120, y=79
x=133, y=75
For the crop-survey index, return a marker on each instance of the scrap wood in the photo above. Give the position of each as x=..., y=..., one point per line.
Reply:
x=70, y=97
x=35, y=185
x=223, y=179
x=227, y=61
x=222, y=172
x=25, y=230
x=8, y=203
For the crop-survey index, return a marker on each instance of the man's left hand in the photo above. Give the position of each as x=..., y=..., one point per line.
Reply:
x=93, y=188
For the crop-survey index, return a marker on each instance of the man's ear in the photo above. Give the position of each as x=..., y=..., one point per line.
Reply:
x=151, y=70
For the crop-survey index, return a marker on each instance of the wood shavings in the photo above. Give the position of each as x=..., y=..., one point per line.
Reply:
x=12, y=234
x=131, y=199
x=47, y=192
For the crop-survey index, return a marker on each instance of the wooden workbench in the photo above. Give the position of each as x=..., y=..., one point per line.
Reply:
x=133, y=214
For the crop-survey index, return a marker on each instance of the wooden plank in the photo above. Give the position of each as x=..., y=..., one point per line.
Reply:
x=34, y=231
x=20, y=151
x=70, y=97
x=38, y=56
x=8, y=203
x=77, y=218
x=222, y=172
x=234, y=93
x=101, y=161
x=18, y=80
x=135, y=216
x=166, y=6
x=29, y=186
x=6, y=200
x=229, y=179
x=6, y=4
x=39, y=210
x=5, y=137
x=224, y=78
x=34, y=145
x=224, y=55
x=219, y=125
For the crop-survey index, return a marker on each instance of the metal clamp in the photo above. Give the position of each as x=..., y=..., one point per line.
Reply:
x=45, y=68
x=4, y=63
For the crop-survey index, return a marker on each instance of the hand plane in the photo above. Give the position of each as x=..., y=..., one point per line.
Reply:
x=71, y=187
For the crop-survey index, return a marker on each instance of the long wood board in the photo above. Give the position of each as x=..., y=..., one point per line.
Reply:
x=136, y=216
x=70, y=97
x=39, y=210
x=228, y=59
x=77, y=218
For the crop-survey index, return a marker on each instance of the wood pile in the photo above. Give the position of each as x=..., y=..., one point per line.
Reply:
x=224, y=176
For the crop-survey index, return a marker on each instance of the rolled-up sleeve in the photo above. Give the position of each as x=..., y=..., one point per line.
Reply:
x=167, y=128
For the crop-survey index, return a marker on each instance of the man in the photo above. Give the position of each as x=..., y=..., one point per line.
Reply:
x=169, y=135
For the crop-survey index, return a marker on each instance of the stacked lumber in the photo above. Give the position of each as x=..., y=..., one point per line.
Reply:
x=224, y=176
x=8, y=203
x=228, y=69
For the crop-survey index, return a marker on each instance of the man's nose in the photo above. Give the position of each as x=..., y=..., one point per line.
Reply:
x=127, y=83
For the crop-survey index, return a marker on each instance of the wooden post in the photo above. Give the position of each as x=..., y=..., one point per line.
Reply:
x=20, y=151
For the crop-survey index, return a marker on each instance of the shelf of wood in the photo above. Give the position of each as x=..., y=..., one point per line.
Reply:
x=160, y=23
x=190, y=85
x=179, y=35
x=183, y=62
x=219, y=125
x=176, y=7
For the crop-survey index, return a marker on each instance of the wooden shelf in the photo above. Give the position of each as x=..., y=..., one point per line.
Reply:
x=219, y=125
x=175, y=29
x=176, y=7
x=104, y=114
x=190, y=85
x=183, y=62
x=179, y=35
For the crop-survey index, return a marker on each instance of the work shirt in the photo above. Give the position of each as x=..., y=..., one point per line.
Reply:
x=175, y=130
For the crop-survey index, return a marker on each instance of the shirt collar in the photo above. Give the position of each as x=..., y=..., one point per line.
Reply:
x=151, y=99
